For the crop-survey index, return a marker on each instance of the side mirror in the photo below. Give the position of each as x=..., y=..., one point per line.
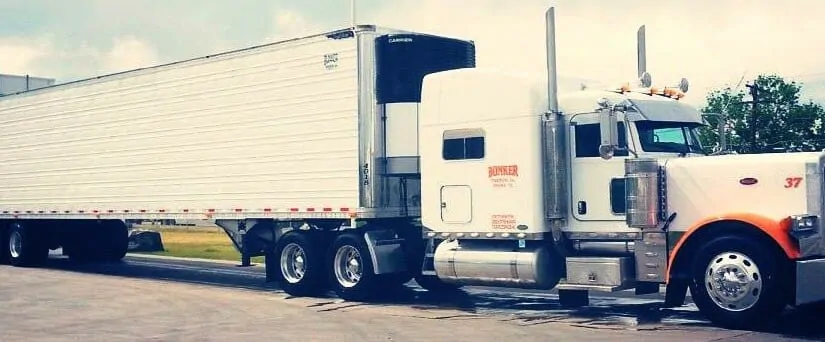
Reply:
x=608, y=125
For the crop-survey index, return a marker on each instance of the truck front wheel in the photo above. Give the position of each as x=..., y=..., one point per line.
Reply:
x=737, y=282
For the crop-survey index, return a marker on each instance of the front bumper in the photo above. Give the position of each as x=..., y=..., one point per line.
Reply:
x=807, y=231
x=810, y=281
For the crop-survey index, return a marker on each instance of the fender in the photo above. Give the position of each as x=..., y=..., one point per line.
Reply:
x=777, y=230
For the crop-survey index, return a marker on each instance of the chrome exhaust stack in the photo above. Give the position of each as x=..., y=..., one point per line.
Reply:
x=554, y=141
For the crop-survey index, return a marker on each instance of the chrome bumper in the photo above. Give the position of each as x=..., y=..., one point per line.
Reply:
x=809, y=233
x=810, y=281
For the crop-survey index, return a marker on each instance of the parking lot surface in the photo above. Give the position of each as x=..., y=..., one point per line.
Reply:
x=147, y=299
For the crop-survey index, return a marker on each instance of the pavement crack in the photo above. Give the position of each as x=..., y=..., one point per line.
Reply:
x=338, y=308
x=732, y=337
x=319, y=304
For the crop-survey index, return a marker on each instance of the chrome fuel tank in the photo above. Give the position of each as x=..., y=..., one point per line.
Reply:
x=482, y=264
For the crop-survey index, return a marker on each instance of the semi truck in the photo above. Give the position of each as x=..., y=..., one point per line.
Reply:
x=359, y=159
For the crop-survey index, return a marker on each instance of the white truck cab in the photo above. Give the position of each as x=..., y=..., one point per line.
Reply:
x=608, y=191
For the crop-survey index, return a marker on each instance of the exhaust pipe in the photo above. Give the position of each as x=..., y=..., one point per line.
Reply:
x=552, y=81
x=641, y=59
x=641, y=52
x=554, y=140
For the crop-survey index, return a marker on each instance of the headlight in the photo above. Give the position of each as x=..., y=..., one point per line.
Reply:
x=804, y=223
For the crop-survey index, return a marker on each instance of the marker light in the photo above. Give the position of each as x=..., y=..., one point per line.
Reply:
x=625, y=88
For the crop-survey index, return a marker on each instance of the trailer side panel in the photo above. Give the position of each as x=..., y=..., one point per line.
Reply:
x=268, y=129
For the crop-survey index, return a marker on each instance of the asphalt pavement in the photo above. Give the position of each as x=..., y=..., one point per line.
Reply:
x=162, y=299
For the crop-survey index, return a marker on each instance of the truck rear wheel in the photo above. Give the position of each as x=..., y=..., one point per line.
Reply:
x=300, y=265
x=25, y=247
x=737, y=282
x=352, y=271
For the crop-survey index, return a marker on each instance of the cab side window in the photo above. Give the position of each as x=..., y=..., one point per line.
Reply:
x=588, y=139
x=463, y=144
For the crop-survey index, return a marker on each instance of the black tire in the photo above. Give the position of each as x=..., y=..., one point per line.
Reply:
x=114, y=237
x=367, y=285
x=311, y=281
x=31, y=250
x=4, y=245
x=760, y=303
x=92, y=241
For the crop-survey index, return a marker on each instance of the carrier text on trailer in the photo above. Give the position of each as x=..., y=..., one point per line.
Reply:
x=367, y=156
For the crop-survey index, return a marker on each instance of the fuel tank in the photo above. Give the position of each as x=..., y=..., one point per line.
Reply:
x=498, y=263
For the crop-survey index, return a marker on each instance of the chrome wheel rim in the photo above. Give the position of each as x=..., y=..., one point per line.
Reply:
x=348, y=266
x=733, y=281
x=293, y=263
x=15, y=244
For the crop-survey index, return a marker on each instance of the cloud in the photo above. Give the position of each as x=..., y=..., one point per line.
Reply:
x=42, y=56
x=596, y=39
x=288, y=23
x=129, y=53
x=17, y=55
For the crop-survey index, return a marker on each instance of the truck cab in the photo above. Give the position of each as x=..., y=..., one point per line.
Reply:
x=482, y=152
x=650, y=126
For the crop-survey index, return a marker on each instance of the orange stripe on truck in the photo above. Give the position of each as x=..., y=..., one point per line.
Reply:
x=776, y=229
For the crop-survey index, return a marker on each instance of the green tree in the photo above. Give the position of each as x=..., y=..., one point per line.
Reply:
x=782, y=122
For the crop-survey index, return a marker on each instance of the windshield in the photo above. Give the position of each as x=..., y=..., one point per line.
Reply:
x=675, y=137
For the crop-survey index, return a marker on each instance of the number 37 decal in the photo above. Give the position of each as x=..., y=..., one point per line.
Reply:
x=792, y=182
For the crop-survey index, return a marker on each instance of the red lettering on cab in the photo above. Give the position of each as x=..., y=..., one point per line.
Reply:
x=502, y=170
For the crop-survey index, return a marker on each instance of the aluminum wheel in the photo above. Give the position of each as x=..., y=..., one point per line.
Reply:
x=16, y=244
x=733, y=281
x=293, y=263
x=347, y=266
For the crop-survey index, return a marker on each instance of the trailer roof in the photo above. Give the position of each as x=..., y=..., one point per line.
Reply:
x=334, y=34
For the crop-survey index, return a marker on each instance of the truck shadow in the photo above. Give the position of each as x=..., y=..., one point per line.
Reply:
x=525, y=307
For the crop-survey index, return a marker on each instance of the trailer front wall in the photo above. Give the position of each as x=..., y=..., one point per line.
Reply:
x=267, y=129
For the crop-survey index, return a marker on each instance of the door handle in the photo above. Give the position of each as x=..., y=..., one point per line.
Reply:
x=443, y=205
x=582, y=207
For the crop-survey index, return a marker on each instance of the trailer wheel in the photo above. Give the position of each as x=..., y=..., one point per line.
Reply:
x=4, y=245
x=114, y=238
x=352, y=275
x=25, y=246
x=106, y=241
x=737, y=282
x=300, y=268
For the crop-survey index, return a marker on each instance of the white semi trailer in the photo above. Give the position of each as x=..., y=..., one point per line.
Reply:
x=358, y=159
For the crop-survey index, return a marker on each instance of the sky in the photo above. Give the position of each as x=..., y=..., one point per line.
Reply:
x=713, y=44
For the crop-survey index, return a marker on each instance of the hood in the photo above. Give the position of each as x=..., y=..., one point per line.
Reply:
x=770, y=185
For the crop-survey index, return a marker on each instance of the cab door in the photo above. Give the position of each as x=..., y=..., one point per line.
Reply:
x=597, y=189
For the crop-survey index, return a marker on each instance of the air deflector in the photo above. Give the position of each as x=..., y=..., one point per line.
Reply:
x=404, y=59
